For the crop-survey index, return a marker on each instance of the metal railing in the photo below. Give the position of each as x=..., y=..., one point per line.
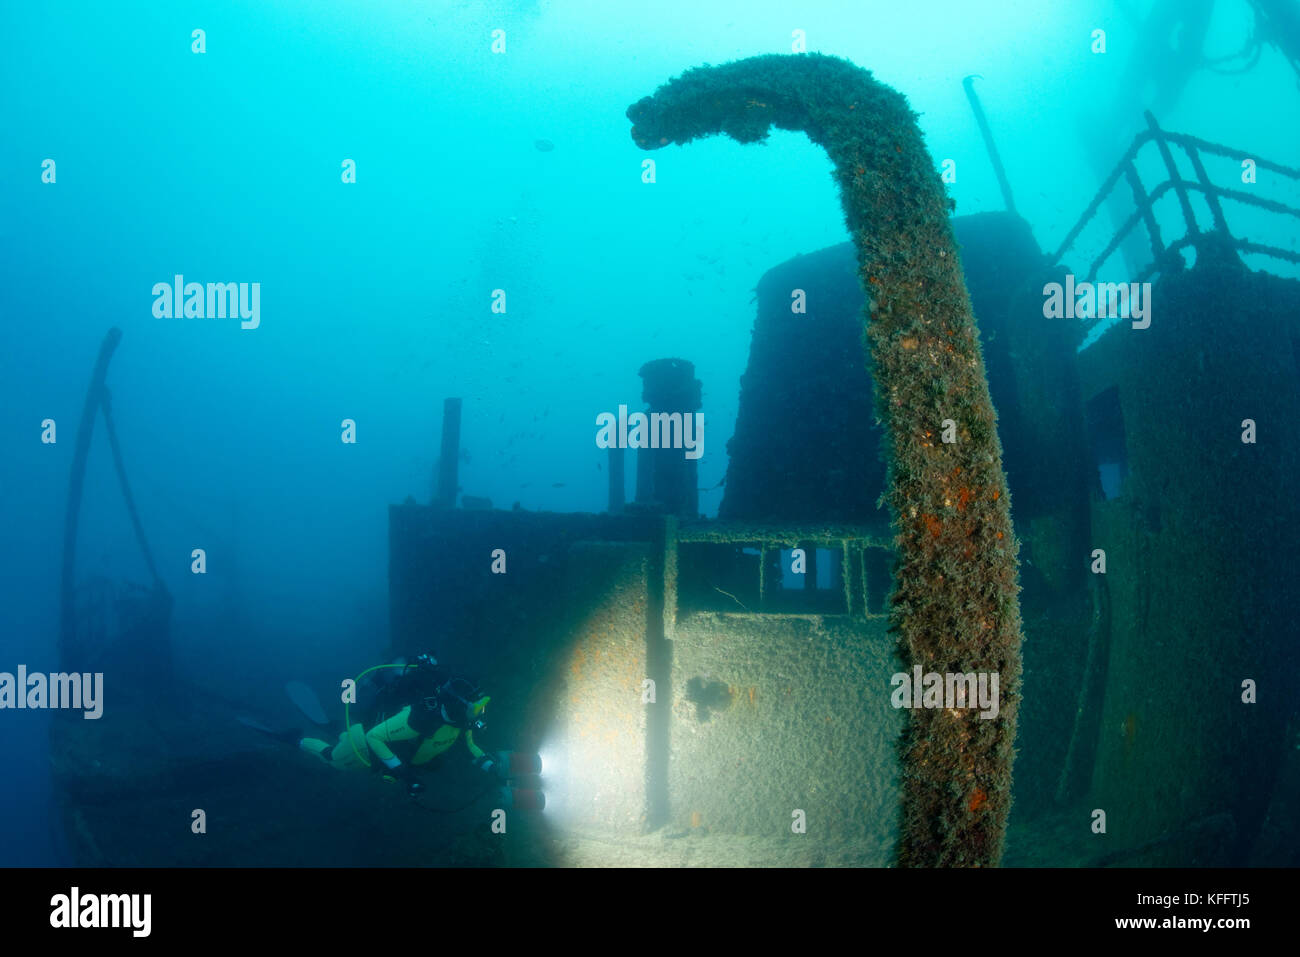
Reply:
x=1219, y=240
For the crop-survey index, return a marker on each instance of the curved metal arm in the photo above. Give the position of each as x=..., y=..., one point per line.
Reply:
x=955, y=605
x=94, y=395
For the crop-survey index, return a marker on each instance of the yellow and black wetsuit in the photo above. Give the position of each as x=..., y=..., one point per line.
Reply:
x=425, y=726
x=400, y=728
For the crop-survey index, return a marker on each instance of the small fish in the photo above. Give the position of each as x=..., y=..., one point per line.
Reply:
x=557, y=485
x=544, y=146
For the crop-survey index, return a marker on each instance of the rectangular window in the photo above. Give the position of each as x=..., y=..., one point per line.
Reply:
x=877, y=567
x=713, y=577
x=811, y=584
x=726, y=578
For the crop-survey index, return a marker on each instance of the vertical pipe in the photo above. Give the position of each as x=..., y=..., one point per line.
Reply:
x=449, y=464
x=670, y=388
x=982, y=122
x=616, y=480
x=670, y=578
x=645, y=477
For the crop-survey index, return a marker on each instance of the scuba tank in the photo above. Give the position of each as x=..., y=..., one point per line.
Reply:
x=385, y=690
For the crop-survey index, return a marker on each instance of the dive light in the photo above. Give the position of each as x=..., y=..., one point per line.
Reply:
x=516, y=764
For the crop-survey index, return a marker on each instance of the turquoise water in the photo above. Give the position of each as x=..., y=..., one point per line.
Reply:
x=475, y=171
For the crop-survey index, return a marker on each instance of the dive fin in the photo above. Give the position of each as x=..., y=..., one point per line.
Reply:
x=288, y=736
x=255, y=725
x=305, y=700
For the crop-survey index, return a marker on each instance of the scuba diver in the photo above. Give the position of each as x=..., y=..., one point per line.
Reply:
x=415, y=712
x=422, y=711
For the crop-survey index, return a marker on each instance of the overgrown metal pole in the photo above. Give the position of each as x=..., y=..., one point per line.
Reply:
x=955, y=606
x=94, y=394
x=995, y=157
x=449, y=461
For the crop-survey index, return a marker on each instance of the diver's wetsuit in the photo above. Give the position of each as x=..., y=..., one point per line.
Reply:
x=421, y=722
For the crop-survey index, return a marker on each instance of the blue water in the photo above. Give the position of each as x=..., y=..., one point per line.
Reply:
x=376, y=296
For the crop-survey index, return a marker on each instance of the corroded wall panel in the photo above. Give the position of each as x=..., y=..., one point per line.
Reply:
x=773, y=714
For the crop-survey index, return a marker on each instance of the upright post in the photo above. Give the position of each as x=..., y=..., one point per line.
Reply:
x=448, y=465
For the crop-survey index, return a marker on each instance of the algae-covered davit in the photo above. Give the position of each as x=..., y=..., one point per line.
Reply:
x=955, y=605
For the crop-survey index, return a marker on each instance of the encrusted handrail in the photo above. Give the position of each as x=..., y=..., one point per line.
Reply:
x=1219, y=239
